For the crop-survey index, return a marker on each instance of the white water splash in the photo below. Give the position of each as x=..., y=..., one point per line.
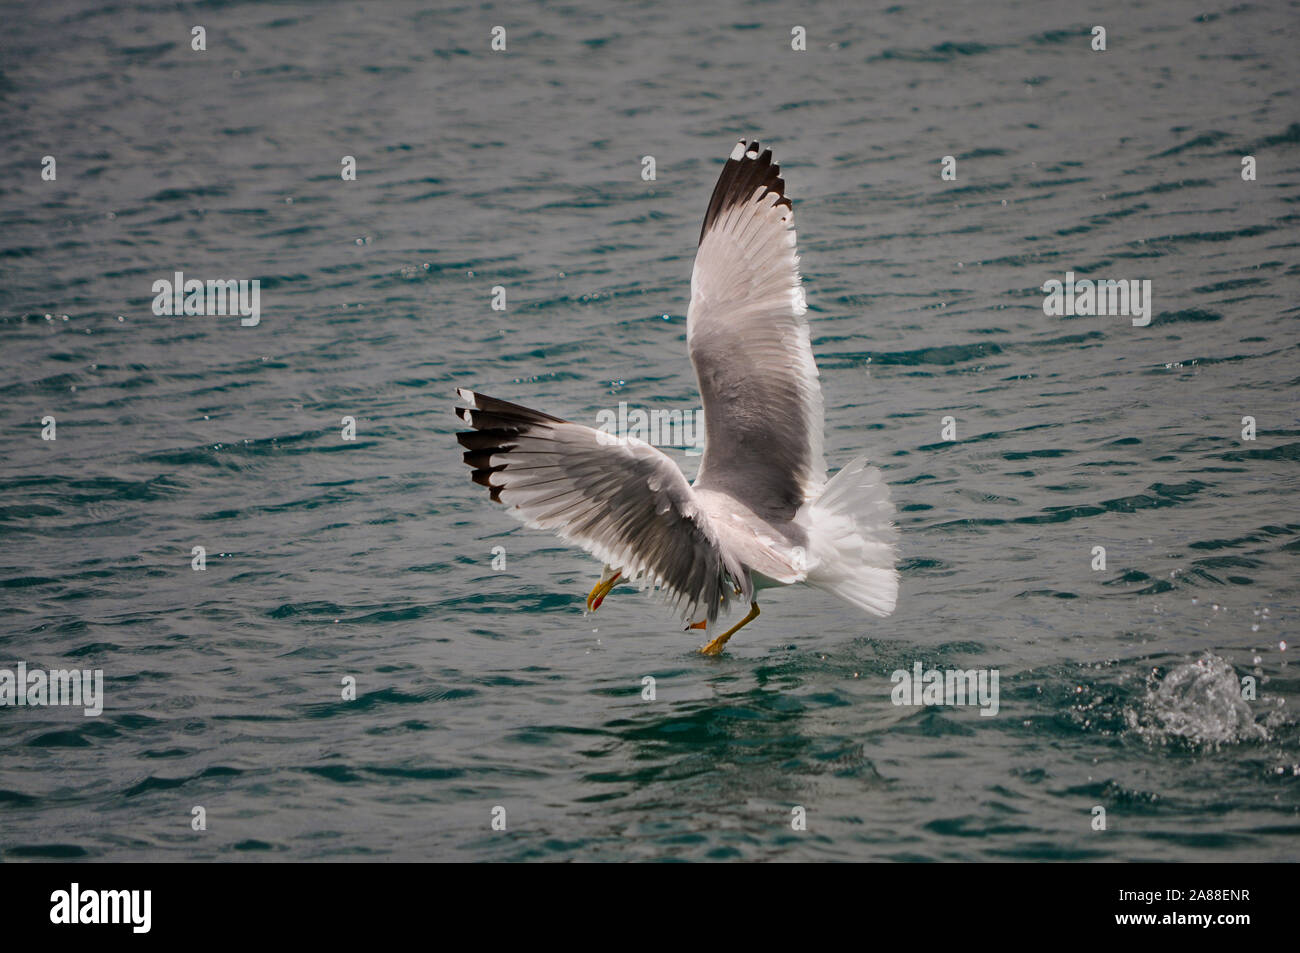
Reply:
x=1200, y=703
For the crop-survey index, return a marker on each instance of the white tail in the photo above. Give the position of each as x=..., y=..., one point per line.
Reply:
x=851, y=539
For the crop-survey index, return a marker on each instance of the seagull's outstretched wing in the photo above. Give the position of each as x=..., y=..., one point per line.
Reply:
x=623, y=501
x=749, y=344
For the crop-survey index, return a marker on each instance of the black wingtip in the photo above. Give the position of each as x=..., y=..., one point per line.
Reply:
x=497, y=424
x=482, y=407
x=748, y=168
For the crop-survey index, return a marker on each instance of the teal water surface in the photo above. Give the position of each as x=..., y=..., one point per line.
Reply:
x=372, y=559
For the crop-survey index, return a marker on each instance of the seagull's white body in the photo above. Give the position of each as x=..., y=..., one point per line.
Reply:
x=761, y=511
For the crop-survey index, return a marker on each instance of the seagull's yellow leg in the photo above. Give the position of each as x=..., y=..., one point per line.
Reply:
x=601, y=589
x=715, y=647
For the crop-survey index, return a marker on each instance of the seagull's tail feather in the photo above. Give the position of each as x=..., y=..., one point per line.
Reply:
x=851, y=540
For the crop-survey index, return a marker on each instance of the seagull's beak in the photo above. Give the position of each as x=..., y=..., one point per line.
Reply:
x=608, y=579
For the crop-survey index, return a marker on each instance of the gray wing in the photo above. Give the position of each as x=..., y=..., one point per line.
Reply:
x=621, y=500
x=749, y=344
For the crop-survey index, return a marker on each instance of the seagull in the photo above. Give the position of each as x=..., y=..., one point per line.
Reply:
x=761, y=512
